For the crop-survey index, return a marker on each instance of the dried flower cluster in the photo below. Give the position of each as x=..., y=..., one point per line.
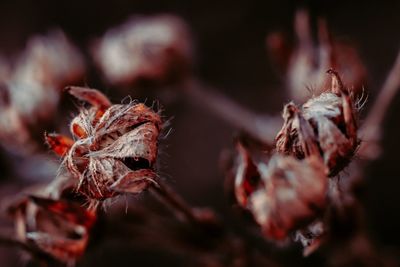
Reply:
x=306, y=63
x=144, y=48
x=30, y=90
x=114, y=152
x=115, y=148
x=316, y=142
x=290, y=186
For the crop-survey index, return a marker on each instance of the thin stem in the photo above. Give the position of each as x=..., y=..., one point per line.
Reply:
x=176, y=202
x=263, y=128
x=371, y=131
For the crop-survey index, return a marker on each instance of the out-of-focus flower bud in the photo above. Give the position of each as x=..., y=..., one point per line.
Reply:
x=156, y=49
x=58, y=228
x=31, y=89
x=304, y=66
x=48, y=64
x=283, y=195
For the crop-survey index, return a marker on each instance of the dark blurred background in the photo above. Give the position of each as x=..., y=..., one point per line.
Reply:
x=230, y=53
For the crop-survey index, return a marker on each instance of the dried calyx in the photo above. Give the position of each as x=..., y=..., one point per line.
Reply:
x=332, y=117
x=289, y=195
x=286, y=193
x=115, y=148
x=58, y=229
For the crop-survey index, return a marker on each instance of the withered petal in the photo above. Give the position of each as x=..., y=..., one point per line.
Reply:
x=135, y=181
x=60, y=144
x=120, y=117
x=63, y=249
x=91, y=96
x=247, y=177
x=71, y=212
x=141, y=142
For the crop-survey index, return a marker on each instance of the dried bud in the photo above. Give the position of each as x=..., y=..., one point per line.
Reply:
x=116, y=146
x=331, y=117
x=284, y=195
x=55, y=227
x=292, y=194
x=152, y=48
x=30, y=91
x=47, y=65
x=306, y=63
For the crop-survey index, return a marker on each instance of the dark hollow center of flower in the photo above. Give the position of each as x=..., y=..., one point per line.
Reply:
x=136, y=163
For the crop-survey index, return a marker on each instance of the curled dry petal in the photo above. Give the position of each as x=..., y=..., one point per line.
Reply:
x=58, y=143
x=247, y=178
x=91, y=96
x=134, y=182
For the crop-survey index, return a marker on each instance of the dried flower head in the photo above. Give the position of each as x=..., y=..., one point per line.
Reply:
x=306, y=63
x=58, y=228
x=285, y=194
x=30, y=91
x=152, y=48
x=331, y=115
x=115, y=148
x=47, y=65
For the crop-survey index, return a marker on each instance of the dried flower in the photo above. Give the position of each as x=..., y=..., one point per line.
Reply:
x=58, y=228
x=331, y=115
x=305, y=64
x=287, y=193
x=47, y=65
x=31, y=90
x=291, y=194
x=152, y=48
x=116, y=146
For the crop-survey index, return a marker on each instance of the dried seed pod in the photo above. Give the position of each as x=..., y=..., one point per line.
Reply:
x=151, y=48
x=331, y=115
x=292, y=194
x=287, y=193
x=305, y=64
x=116, y=146
x=58, y=228
x=31, y=90
x=47, y=65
